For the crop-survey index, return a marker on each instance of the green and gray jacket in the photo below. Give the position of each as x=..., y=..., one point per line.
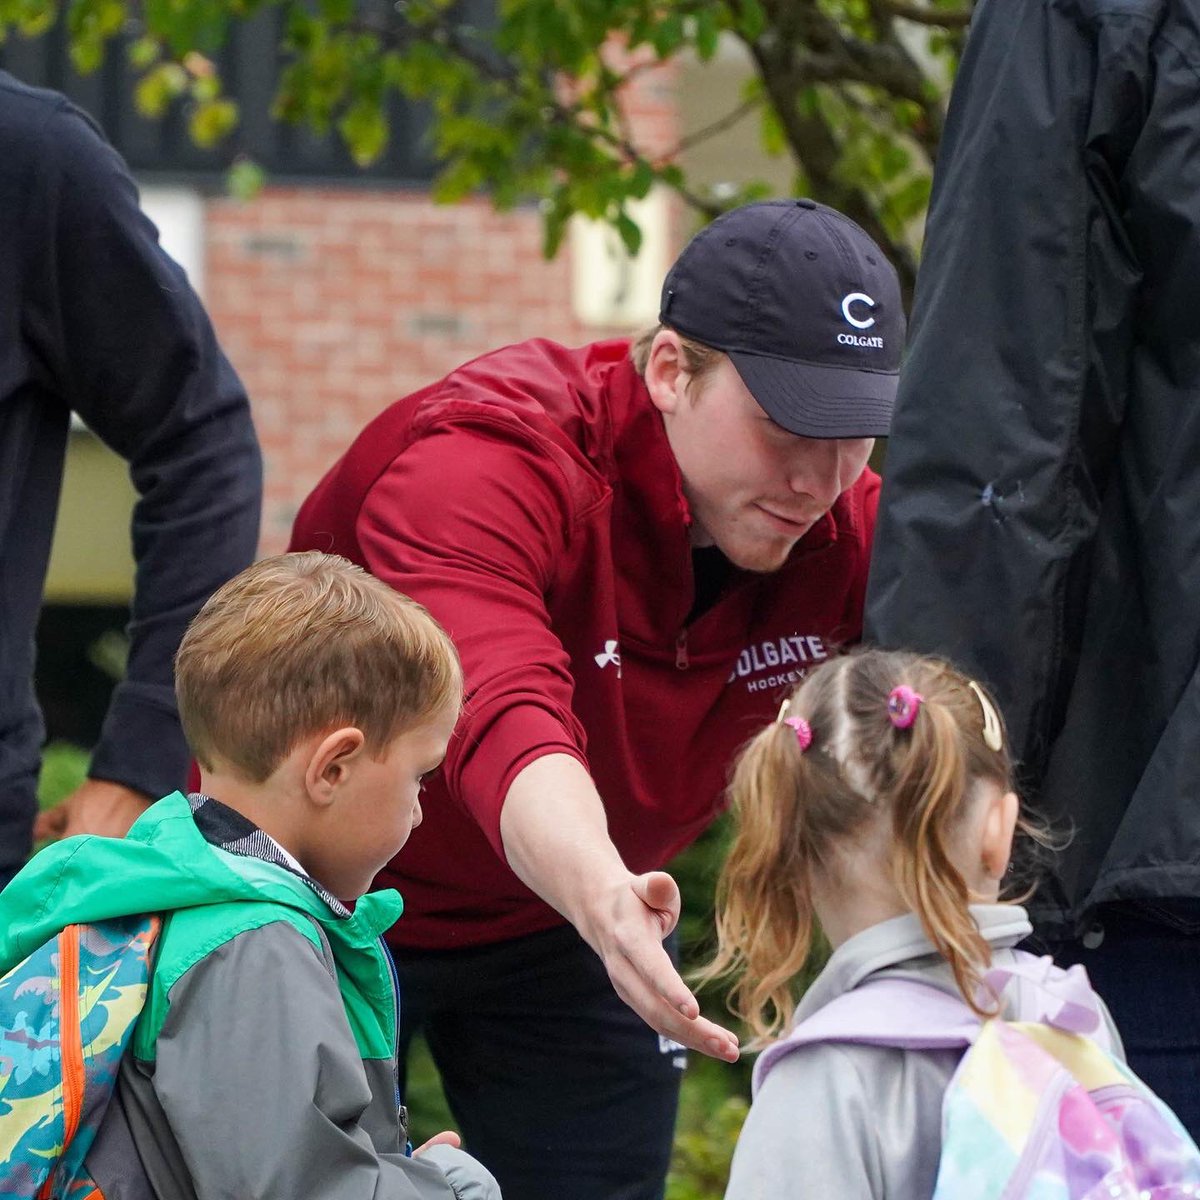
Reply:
x=264, y=1062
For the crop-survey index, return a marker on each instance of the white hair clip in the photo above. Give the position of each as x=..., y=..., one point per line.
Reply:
x=992, y=737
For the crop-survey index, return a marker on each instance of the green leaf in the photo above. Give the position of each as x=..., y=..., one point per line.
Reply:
x=206, y=88
x=707, y=34
x=642, y=180
x=91, y=24
x=365, y=129
x=32, y=17
x=337, y=12
x=631, y=235
x=672, y=175
x=555, y=216
x=158, y=87
x=212, y=120
x=144, y=52
x=668, y=34
x=894, y=160
x=751, y=21
x=772, y=133
x=188, y=25
x=909, y=201
x=245, y=179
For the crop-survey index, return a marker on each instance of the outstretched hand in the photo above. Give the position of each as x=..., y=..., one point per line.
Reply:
x=626, y=929
x=96, y=806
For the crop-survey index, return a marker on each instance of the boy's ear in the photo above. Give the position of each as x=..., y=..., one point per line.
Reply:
x=999, y=828
x=665, y=374
x=331, y=762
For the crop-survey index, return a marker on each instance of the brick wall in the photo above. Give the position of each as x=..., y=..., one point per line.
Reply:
x=332, y=303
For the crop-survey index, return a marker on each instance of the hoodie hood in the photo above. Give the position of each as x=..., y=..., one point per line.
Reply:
x=900, y=949
x=163, y=864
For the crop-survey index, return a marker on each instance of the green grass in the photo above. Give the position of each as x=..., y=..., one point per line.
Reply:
x=64, y=768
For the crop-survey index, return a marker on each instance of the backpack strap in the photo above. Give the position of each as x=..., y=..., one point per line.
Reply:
x=907, y=1014
x=900, y=1013
x=1062, y=999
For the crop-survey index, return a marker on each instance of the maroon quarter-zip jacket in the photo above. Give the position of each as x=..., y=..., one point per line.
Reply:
x=531, y=501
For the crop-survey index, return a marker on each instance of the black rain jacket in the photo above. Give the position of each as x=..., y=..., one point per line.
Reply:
x=1040, y=519
x=96, y=319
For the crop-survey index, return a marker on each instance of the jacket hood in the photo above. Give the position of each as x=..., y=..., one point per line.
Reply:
x=163, y=864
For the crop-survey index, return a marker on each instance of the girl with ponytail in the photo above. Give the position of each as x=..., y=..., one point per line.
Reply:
x=876, y=815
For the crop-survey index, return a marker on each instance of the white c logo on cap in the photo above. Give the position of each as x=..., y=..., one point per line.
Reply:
x=861, y=298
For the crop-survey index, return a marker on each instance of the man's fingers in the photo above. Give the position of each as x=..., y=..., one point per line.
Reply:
x=50, y=824
x=646, y=979
x=696, y=1033
x=652, y=965
x=700, y=1034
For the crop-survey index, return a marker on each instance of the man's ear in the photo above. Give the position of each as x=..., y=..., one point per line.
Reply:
x=665, y=373
x=999, y=827
x=331, y=762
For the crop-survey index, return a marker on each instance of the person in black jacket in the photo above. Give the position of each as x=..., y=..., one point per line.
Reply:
x=96, y=319
x=1040, y=520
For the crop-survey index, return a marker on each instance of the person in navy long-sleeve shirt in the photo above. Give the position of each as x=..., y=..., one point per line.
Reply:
x=96, y=319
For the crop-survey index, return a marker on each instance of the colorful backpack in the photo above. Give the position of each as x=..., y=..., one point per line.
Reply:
x=67, y=1013
x=1037, y=1110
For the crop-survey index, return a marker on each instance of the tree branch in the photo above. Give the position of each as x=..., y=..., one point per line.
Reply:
x=719, y=126
x=948, y=18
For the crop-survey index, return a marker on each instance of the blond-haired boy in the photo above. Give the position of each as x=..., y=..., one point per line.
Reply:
x=314, y=699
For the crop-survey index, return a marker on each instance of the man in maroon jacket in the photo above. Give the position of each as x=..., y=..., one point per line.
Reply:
x=635, y=550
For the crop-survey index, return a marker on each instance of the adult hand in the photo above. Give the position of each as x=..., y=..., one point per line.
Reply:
x=573, y=865
x=626, y=927
x=97, y=806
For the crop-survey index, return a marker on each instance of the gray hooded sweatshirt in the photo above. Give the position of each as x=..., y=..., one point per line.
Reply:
x=857, y=1122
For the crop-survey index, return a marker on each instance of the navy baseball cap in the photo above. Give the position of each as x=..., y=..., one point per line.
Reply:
x=807, y=308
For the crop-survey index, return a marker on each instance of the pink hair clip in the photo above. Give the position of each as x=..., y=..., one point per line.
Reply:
x=902, y=706
x=803, y=731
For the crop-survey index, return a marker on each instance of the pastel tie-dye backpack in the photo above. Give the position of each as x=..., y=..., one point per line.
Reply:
x=67, y=1014
x=1037, y=1110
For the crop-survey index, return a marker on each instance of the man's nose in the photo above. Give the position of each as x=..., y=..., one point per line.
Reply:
x=816, y=470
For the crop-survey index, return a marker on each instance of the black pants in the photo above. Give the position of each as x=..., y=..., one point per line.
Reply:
x=559, y=1088
x=1144, y=961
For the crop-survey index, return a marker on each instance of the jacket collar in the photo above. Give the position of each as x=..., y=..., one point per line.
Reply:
x=234, y=833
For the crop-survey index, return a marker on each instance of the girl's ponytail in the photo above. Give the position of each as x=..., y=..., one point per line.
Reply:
x=788, y=797
x=930, y=785
x=764, y=913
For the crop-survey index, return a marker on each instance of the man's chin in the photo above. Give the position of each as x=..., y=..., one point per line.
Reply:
x=762, y=558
